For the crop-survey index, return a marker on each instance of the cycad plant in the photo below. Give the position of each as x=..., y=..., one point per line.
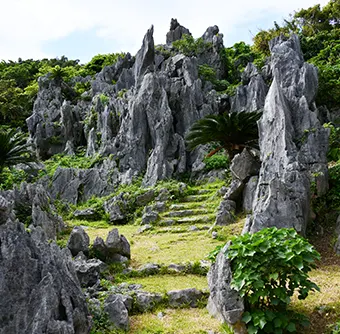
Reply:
x=14, y=149
x=230, y=131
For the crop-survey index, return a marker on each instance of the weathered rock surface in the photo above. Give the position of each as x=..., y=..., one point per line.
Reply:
x=115, y=249
x=88, y=271
x=78, y=241
x=40, y=291
x=176, y=32
x=293, y=143
x=118, y=314
x=186, y=297
x=250, y=96
x=225, y=213
x=224, y=303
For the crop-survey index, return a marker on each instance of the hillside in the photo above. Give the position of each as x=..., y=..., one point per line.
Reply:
x=123, y=180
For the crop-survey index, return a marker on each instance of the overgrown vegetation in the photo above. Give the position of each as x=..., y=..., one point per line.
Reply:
x=19, y=82
x=268, y=268
x=230, y=131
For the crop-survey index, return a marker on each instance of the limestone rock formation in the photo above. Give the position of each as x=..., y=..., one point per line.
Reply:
x=176, y=32
x=40, y=291
x=292, y=141
x=137, y=111
x=224, y=302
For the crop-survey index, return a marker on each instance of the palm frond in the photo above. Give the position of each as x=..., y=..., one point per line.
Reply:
x=229, y=130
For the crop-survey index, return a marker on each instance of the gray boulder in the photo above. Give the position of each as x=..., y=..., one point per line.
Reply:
x=86, y=214
x=40, y=291
x=146, y=301
x=145, y=198
x=249, y=194
x=88, y=271
x=234, y=191
x=225, y=213
x=149, y=269
x=118, y=315
x=224, y=303
x=78, y=241
x=244, y=165
x=186, y=297
x=150, y=216
x=116, y=207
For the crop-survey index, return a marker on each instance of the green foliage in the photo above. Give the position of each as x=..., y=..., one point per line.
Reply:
x=98, y=62
x=334, y=142
x=121, y=93
x=11, y=177
x=70, y=161
x=319, y=32
x=232, y=132
x=82, y=87
x=190, y=46
x=268, y=268
x=104, y=99
x=237, y=57
x=335, y=329
x=217, y=161
x=14, y=149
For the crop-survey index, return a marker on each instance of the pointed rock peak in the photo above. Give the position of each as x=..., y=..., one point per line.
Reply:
x=176, y=32
x=282, y=44
x=145, y=57
x=210, y=33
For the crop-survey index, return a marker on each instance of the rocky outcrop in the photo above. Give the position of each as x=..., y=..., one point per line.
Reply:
x=115, y=249
x=176, y=32
x=78, y=241
x=136, y=113
x=40, y=291
x=293, y=143
x=252, y=94
x=32, y=205
x=224, y=303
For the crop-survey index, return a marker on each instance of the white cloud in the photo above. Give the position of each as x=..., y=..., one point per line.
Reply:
x=26, y=24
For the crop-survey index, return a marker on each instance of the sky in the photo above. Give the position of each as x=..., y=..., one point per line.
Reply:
x=81, y=29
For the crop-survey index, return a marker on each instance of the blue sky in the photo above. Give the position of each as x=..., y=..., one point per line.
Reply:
x=80, y=29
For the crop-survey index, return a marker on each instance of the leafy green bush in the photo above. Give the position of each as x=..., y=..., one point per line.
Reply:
x=190, y=46
x=104, y=99
x=333, y=153
x=11, y=177
x=217, y=161
x=70, y=161
x=268, y=267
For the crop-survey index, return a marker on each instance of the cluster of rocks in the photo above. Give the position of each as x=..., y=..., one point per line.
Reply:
x=293, y=147
x=32, y=204
x=126, y=299
x=143, y=129
x=40, y=291
x=116, y=249
x=240, y=194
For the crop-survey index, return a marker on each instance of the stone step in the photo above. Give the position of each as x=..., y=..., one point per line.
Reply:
x=196, y=198
x=185, y=213
x=205, y=219
x=206, y=191
x=192, y=206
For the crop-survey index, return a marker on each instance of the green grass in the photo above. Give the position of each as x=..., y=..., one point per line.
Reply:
x=179, y=321
x=163, y=283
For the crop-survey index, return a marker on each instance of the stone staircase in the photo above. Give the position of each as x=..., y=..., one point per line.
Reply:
x=197, y=208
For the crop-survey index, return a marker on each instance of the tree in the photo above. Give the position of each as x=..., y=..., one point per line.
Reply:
x=230, y=131
x=14, y=149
